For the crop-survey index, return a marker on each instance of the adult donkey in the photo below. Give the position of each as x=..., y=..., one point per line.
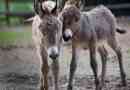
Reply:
x=47, y=36
x=90, y=30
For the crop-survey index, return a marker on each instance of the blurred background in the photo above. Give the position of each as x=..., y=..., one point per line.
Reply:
x=16, y=10
x=14, y=13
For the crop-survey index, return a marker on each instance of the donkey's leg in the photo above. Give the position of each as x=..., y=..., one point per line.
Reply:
x=45, y=70
x=103, y=53
x=73, y=67
x=94, y=64
x=55, y=70
x=117, y=49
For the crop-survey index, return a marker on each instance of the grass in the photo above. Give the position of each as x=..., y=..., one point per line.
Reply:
x=14, y=38
x=128, y=51
x=11, y=37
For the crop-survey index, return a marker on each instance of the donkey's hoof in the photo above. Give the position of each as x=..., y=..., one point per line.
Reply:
x=70, y=87
x=99, y=87
x=124, y=83
x=56, y=88
x=42, y=88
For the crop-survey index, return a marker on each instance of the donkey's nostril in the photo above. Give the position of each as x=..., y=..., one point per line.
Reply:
x=53, y=52
x=54, y=56
x=67, y=35
x=66, y=38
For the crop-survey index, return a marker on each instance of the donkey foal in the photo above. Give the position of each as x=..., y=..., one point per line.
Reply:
x=47, y=36
x=90, y=30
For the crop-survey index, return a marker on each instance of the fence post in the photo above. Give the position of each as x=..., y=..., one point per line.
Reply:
x=7, y=11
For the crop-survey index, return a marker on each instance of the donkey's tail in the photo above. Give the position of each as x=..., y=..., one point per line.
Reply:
x=121, y=30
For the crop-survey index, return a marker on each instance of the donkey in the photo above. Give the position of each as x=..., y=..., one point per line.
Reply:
x=91, y=30
x=47, y=36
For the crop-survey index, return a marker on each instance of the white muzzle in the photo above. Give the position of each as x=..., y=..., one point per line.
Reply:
x=53, y=52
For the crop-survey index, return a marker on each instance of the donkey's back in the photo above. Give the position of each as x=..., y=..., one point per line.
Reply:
x=100, y=22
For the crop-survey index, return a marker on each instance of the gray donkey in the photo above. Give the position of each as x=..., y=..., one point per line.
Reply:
x=47, y=36
x=91, y=30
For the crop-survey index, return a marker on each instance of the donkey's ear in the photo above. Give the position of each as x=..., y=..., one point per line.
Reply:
x=49, y=7
x=38, y=7
x=54, y=11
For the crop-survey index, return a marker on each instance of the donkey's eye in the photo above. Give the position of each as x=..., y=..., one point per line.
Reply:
x=44, y=33
x=69, y=23
x=42, y=29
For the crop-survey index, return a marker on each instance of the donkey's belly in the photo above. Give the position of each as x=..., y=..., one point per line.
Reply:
x=85, y=44
x=81, y=44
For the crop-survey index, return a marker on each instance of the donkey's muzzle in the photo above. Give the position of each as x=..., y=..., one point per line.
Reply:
x=66, y=38
x=54, y=56
x=53, y=53
x=67, y=35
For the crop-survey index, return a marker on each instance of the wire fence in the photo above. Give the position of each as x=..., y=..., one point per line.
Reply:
x=24, y=8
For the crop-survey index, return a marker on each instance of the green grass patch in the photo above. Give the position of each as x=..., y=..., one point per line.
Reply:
x=14, y=38
x=128, y=51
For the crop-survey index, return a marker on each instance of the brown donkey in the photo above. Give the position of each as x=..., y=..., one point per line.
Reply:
x=90, y=30
x=47, y=36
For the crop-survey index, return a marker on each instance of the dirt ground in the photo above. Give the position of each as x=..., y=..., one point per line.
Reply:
x=20, y=67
